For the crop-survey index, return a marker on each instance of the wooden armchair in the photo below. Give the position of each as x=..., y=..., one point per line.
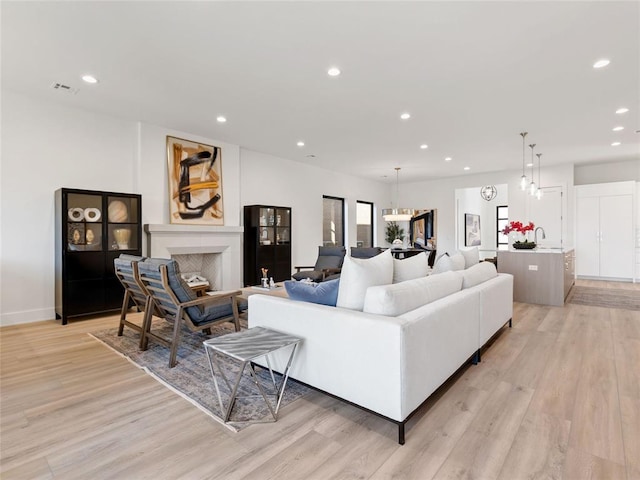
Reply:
x=328, y=265
x=126, y=269
x=177, y=303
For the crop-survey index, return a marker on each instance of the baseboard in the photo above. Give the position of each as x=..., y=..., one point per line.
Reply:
x=606, y=279
x=27, y=316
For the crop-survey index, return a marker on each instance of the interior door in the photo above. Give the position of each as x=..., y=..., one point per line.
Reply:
x=616, y=236
x=588, y=236
x=546, y=212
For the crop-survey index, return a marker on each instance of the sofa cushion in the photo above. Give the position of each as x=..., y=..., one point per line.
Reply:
x=481, y=272
x=449, y=263
x=325, y=293
x=358, y=274
x=409, y=268
x=399, y=298
x=471, y=257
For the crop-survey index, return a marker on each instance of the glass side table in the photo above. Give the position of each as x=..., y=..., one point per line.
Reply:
x=245, y=347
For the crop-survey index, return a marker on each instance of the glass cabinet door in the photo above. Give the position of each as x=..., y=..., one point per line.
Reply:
x=283, y=226
x=122, y=226
x=84, y=222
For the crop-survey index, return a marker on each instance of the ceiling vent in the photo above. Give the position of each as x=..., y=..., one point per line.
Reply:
x=61, y=87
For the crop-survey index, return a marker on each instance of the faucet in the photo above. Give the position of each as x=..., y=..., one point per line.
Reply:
x=535, y=234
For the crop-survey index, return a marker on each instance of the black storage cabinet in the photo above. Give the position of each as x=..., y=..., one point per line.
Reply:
x=92, y=228
x=267, y=243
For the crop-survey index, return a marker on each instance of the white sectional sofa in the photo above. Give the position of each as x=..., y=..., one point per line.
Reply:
x=410, y=338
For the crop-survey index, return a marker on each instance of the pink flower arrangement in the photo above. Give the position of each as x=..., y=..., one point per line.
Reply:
x=518, y=227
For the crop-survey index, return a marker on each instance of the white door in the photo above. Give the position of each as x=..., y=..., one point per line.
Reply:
x=546, y=212
x=616, y=236
x=588, y=236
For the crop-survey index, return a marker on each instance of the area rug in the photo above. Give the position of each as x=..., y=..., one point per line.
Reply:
x=605, y=297
x=191, y=377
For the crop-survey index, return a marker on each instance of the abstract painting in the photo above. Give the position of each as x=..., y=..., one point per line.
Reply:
x=195, y=182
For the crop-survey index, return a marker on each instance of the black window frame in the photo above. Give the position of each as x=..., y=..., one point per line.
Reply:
x=498, y=230
x=329, y=197
x=371, y=230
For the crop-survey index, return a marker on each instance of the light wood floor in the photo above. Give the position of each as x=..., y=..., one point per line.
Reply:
x=556, y=396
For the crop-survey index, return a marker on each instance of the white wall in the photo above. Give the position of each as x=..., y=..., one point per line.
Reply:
x=607, y=172
x=269, y=180
x=468, y=200
x=154, y=184
x=440, y=194
x=46, y=146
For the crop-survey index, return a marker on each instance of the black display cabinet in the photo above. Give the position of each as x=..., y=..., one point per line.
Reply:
x=92, y=228
x=267, y=243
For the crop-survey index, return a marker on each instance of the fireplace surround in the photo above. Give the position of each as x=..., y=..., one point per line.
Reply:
x=189, y=241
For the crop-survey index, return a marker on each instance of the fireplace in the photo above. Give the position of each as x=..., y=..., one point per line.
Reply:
x=215, y=251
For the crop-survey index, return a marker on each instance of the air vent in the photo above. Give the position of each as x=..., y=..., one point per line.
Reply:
x=61, y=87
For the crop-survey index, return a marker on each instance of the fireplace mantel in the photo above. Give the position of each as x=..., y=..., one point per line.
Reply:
x=189, y=229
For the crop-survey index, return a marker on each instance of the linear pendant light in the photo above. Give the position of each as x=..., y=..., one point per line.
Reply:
x=523, y=179
x=532, y=185
x=539, y=192
x=397, y=214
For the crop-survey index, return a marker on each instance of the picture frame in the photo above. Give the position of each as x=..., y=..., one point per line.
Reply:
x=472, y=236
x=195, y=182
x=422, y=230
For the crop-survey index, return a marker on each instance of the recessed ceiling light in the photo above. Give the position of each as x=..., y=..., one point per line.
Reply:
x=618, y=128
x=601, y=63
x=622, y=110
x=615, y=144
x=424, y=146
x=89, y=79
x=467, y=168
x=221, y=119
x=529, y=164
x=405, y=116
x=448, y=159
x=300, y=144
x=333, y=72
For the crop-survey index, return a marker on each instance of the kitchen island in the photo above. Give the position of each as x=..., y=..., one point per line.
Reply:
x=542, y=276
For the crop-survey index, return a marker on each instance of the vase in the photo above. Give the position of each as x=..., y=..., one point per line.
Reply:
x=524, y=245
x=122, y=236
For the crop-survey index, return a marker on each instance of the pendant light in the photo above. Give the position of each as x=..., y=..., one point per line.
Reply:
x=488, y=192
x=539, y=192
x=397, y=214
x=532, y=185
x=523, y=179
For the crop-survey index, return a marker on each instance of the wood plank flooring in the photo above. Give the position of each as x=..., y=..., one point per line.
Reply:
x=557, y=396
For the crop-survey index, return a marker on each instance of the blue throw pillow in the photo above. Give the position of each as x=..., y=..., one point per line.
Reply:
x=324, y=293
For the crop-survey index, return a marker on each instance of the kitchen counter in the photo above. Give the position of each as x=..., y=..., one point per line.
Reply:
x=542, y=276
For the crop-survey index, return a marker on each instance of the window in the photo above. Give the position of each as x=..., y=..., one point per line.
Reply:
x=332, y=221
x=364, y=223
x=502, y=217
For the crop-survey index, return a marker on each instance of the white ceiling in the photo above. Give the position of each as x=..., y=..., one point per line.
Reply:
x=472, y=74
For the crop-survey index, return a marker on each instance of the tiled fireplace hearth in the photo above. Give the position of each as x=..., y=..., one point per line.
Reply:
x=221, y=246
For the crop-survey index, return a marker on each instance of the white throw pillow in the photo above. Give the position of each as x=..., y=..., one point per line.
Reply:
x=410, y=268
x=478, y=273
x=358, y=274
x=457, y=261
x=443, y=264
x=399, y=298
x=449, y=263
x=471, y=257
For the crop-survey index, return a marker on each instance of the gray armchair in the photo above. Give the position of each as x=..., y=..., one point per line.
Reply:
x=176, y=302
x=327, y=267
x=126, y=269
x=365, y=252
